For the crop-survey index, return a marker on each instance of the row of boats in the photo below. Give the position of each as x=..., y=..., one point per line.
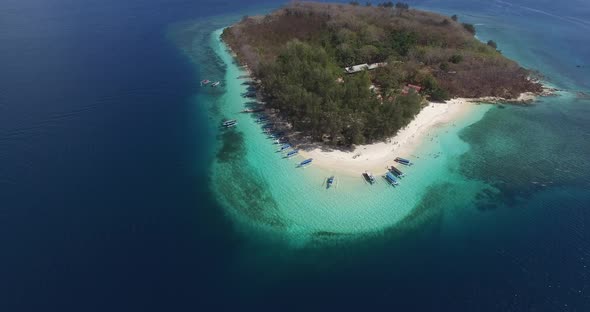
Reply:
x=392, y=176
x=213, y=84
x=278, y=138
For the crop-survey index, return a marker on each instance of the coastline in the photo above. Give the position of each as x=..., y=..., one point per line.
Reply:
x=378, y=157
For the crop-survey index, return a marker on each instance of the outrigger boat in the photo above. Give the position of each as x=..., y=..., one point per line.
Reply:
x=228, y=122
x=391, y=178
x=261, y=119
x=215, y=84
x=403, y=161
x=285, y=146
x=292, y=153
x=280, y=140
x=369, y=177
x=205, y=82
x=396, y=171
x=305, y=163
x=329, y=182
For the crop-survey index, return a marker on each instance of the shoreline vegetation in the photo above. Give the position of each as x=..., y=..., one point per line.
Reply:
x=428, y=69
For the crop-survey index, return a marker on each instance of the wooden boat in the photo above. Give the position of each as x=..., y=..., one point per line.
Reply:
x=305, y=163
x=403, y=161
x=396, y=171
x=369, y=177
x=391, y=178
x=292, y=153
x=330, y=181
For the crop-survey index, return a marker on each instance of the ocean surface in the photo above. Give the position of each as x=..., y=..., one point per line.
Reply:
x=119, y=192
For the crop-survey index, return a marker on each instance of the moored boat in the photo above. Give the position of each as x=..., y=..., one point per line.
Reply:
x=306, y=162
x=403, y=161
x=391, y=178
x=369, y=177
x=229, y=122
x=204, y=82
x=329, y=182
x=215, y=84
x=285, y=146
x=396, y=171
x=292, y=153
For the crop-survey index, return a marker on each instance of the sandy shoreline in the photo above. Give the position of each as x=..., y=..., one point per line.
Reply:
x=377, y=157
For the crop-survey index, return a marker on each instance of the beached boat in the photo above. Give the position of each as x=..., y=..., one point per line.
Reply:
x=205, y=82
x=215, y=84
x=292, y=153
x=306, y=162
x=396, y=171
x=285, y=146
x=403, y=161
x=369, y=177
x=330, y=181
x=391, y=178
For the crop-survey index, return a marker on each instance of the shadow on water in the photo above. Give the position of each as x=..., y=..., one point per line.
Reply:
x=243, y=191
x=232, y=146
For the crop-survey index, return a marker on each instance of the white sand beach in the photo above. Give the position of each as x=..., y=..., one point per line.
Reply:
x=379, y=156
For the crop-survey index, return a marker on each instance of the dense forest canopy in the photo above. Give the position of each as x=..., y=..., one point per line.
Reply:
x=299, y=53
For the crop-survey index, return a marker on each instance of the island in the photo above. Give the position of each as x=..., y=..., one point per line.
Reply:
x=344, y=75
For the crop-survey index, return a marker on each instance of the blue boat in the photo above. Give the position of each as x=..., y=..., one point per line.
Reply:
x=403, y=161
x=391, y=178
x=285, y=146
x=329, y=182
x=292, y=153
x=305, y=162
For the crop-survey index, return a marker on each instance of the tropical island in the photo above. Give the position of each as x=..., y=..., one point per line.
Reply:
x=349, y=74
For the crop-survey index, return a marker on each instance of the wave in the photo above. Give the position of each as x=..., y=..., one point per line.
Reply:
x=569, y=19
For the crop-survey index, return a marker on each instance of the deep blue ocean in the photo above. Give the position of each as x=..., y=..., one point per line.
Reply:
x=105, y=152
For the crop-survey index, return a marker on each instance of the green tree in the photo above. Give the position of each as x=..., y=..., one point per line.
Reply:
x=492, y=44
x=456, y=58
x=469, y=27
x=454, y=17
